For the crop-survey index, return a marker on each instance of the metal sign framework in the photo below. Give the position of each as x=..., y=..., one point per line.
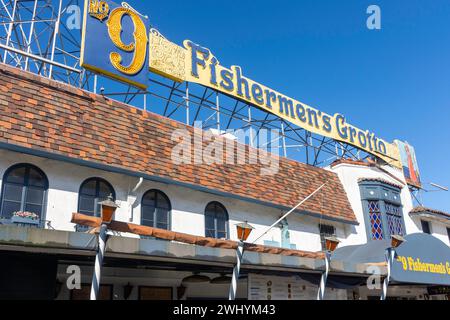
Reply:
x=44, y=37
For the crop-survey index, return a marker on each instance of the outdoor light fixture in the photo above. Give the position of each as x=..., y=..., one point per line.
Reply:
x=396, y=240
x=181, y=290
x=108, y=207
x=331, y=243
x=223, y=279
x=243, y=231
x=58, y=287
x=127, y=289
x=196, y=278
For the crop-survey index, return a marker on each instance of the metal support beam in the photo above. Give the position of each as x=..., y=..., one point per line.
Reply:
x=324, y=278
x=236, y=271
x=102, y=237
x=390, y=254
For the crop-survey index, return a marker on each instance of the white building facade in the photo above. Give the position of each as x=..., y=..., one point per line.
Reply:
x=49, y=169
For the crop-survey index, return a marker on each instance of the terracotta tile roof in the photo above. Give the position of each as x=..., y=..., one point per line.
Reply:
x=381, y=181
x=354, y=162
x=421, y=209
x=41, y=115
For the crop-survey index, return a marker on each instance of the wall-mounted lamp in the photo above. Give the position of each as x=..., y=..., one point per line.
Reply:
x=396, y=240
x=108, y=207
x=58, y=287
x=243, y=231
x=181, y=290
x=331, y=243
x=127, y=290
x=196, y=278
x=223, y=279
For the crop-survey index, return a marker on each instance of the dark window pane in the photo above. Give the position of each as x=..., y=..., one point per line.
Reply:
x=148, y=212
x=27, y=181
x=210, y=233
x=13, y=192
x=104, y=191
x=98, y=207
x=88, y=188
x=36, y=179
x=9, y=208
x=35, y=196
x=147, y=222
x=162, y=201
x=162, y=226
x=209, y=222
x=161, y=216
x=155, y=205
x=216, y=220
x=34, y=209
x=87, y=204
x=221, y=235
x=149, y=199
x=221, y=225
x=426, y=227
x=17, y=176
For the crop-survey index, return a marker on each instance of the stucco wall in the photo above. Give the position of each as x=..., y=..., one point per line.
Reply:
x=188, y=205
x=349, y=174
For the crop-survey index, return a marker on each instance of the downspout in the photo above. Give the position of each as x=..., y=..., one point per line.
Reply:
x=133, y=194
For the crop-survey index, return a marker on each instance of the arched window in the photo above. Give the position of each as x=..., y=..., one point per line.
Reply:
x=155, y=210
x=24, y=190
x=216, y=221
x=92, y=192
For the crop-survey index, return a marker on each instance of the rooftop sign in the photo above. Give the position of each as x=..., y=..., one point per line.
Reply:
x=118, y=43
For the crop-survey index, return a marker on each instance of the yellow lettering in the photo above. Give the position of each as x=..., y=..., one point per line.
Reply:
x=139, y=46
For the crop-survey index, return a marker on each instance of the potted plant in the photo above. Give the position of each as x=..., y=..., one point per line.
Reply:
x=24, y=217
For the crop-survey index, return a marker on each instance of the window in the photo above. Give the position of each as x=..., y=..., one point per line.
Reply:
x=326, y=231
x=155, y=210
x=376, y=222
x=383, y=209
x=92, y=192
x=394, y=219
x=24, y=189
x=448, y=234
x=426, y=226
x=216, y=221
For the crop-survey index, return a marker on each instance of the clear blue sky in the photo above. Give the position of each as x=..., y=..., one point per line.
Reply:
x=395, y=82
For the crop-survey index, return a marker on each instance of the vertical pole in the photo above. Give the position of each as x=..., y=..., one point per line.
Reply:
x=390, y=253
x=55, y=33
x=218, y=111
x=188, y=120
x=30, y=36
x=145, y=100
x=102, y=237
x=95, y=83
x=307, y=146
x=250, y=125
x=283, y=137
x=323, y=279
x=236, y=270
x=11, y=25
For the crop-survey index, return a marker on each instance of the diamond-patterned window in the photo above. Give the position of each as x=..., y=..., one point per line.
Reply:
x=394, y=219
x=376, y=220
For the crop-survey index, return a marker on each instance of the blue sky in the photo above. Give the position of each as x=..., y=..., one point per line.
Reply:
x=394, y=81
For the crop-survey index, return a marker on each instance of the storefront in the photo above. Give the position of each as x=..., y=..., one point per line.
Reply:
x=178, y=194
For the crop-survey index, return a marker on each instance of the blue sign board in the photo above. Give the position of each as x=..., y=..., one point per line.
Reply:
x=114, y=42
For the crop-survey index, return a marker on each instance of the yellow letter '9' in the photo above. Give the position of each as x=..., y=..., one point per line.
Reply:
x=140, y=41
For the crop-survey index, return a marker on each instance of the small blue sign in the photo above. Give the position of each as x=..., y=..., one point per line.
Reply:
x=115, y=42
